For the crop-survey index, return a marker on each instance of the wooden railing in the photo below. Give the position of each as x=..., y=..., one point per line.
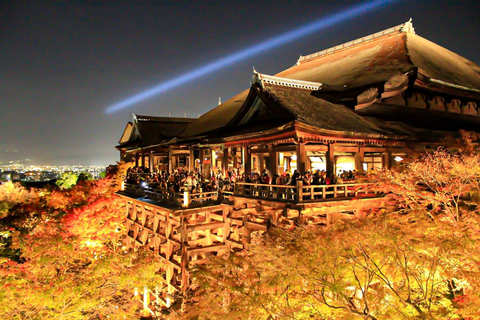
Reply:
x=300, y=193
x=297, y=194
x=185, y=198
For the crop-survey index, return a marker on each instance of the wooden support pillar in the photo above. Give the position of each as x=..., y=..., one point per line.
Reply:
x=362, y=157
x=150, y=162
x=330, y=160
x=143, y=159
x=201, y=155
x=260, y=162
x=235, y=162
x=281, y=162
x=213, y=155
x=301, y=157
x=170, y=167
x=191, y=160
x=272, y=161
x=225, y=162
x=248, y=161
x=358, y=162
x=387, y=160
x=136, y=159
x=207, y=153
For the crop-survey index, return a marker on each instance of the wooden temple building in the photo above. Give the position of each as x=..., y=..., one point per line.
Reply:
x=359, y=106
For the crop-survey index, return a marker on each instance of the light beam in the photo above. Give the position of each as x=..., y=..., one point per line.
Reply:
x=245, y=53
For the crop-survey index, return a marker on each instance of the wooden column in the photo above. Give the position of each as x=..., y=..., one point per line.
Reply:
x=301, y=157
x=225, y=162
x=136, y=159
x=150, y=161
x=143, y=159
x=330, y=160
x=272, y=161
x=170, y=167
x=207, y=153
x=191, y=160
x=261, y=161
x=360, y=155
x=202, y=159
x=235, y=162
x=248, y=161
x=213, y=155
x=387, y=159
x=358, y=162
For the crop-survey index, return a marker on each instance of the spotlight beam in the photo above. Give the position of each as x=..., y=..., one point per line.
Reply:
x=273, y=42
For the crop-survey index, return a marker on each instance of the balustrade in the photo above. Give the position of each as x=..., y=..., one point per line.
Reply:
x=286, y=193
x=184, y=198
x=301, y=193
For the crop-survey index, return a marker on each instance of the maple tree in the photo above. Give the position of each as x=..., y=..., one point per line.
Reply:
x=416, y=259
x=380, y=267
x=442, y=182
x=63, y=257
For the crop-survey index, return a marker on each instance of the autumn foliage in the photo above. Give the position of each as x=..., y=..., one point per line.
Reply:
x=416, y=258
x=63, y=256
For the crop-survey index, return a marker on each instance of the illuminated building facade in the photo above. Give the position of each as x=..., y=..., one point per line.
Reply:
x=359, y=106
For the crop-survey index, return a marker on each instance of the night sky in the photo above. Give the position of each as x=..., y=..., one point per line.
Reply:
x=63, y=63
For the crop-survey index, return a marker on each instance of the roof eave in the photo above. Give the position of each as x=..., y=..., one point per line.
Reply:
x=425, y=82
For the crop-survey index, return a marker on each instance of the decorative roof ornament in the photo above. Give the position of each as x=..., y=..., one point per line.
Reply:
x=263, y=79
x=404, y=27
x=219, y=100
x=408, y=27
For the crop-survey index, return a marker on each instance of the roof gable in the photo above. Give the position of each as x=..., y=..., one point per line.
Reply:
x=148, y=130
x=218, y=117
x=127, y=133
x=309, y=109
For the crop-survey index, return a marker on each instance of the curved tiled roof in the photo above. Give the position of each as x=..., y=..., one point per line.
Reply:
x=217, y=117
x=372, y=60
x=439, y=63
x=148, y=130
x=318, y=112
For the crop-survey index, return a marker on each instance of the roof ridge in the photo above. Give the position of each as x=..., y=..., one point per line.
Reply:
x=285, y=82
x=404, y=27
x=138, y=118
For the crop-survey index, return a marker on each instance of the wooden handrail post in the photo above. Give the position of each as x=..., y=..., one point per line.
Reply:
x=186, y=196
x=300, y=190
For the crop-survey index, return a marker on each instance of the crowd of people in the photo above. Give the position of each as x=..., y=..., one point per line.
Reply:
x=317, y=177
x=181, y=178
